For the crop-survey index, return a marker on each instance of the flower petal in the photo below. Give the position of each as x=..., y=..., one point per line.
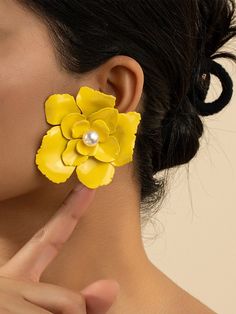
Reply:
x=90, y=100
x=58, y=106
x=48, y=157
x=71, y=157
x=102, y=129
x=125, y=134
x=86, y=150
x=108, y=115
x=108, y=151
x=94, y=173
x=67, y=123
x=79, y=128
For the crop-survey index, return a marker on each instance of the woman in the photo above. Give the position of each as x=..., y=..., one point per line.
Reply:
x=155, y=57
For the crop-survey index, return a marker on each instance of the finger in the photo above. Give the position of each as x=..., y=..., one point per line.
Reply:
x=100, y=296
x=32, y=259
x=96, y=298
x=16, y=305
x=3, y=311
x=52, y=298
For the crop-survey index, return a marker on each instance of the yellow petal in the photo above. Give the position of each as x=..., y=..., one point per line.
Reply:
x=108, y=115
x=79, y=128
x=58, y=106
x=94, y=173
x=86, y=150
x=90, y=100
x=102, y=129
x=48, y=157
x=71, y=157
x=108, y=151
x=68, y=122
x=125, y=133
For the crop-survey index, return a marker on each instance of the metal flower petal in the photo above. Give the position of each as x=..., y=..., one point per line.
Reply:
x=58, y=106
x=68, y=122
x=108, y=151
x=94, y=173
x=86, y=150
x=48, y=157
x=90, y=100
x=102, y=129
x=79, y=128
x=108, y=115
x=71, y=157
x=125, y=134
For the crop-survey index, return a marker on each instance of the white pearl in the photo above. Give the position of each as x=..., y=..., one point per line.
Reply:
x=91, y=138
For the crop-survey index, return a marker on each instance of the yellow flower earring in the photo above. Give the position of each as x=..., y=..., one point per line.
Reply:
x=88, y=135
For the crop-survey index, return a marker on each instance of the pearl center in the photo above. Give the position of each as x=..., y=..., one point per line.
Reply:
x=91, y=138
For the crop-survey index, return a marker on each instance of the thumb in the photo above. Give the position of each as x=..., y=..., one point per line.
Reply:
x=100, y=296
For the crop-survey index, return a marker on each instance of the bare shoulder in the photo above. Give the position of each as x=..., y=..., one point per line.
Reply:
x=153, y=292
x=184, y=303
x=174, y=299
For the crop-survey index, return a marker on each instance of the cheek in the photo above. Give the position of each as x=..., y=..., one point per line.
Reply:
x=20, y=133
x=22, y=126
x=23, y=92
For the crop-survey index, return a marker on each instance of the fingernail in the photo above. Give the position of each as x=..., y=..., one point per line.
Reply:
x=79, y=187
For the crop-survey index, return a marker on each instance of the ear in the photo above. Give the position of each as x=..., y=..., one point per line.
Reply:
x=122, y=77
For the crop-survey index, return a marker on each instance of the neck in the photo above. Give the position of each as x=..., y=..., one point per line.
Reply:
x=107, y=242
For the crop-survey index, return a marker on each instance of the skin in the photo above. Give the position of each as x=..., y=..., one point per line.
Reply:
x=107, y=241
x=20, y=288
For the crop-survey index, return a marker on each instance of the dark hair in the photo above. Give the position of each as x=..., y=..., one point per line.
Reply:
x=175, y=42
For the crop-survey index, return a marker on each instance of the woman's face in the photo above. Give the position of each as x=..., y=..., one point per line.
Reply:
x=29, y=74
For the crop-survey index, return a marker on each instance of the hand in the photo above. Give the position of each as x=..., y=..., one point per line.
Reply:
x=20, y=289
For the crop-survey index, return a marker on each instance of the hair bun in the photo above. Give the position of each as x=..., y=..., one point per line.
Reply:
x=199, y=92
x=181, y=130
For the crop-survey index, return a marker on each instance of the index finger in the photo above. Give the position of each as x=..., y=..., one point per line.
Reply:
x=33, y=258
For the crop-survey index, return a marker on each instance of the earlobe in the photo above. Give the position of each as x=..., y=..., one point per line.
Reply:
x=123, y=78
